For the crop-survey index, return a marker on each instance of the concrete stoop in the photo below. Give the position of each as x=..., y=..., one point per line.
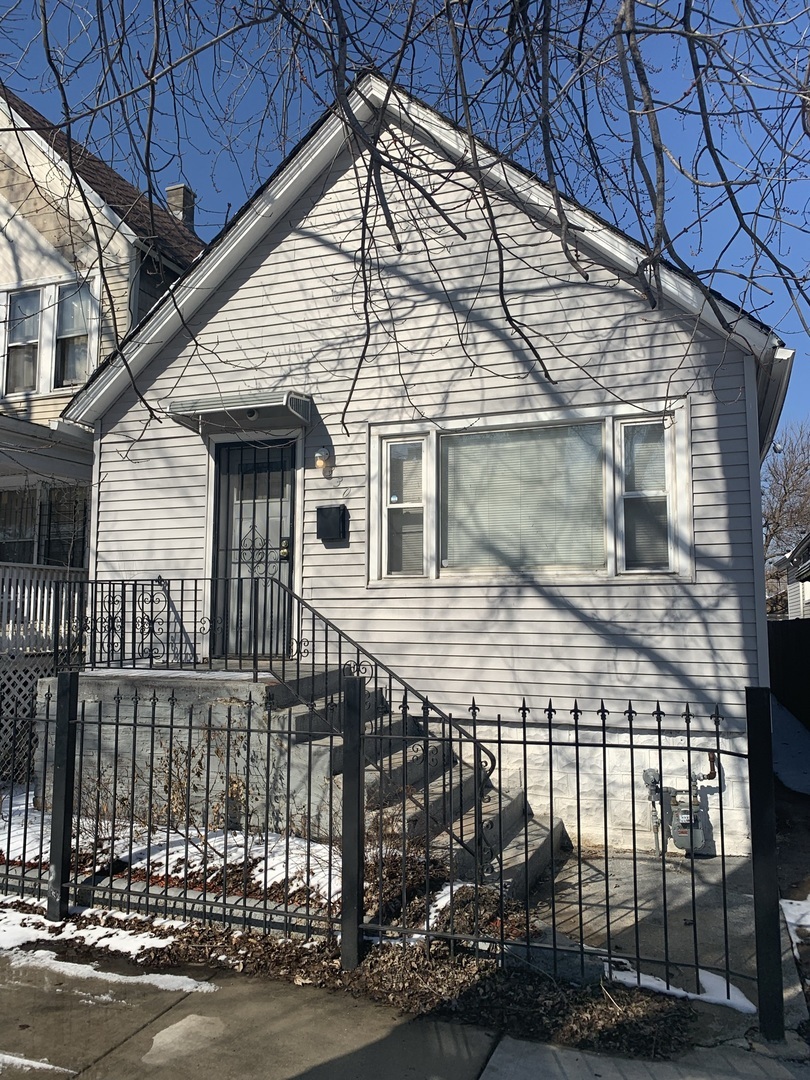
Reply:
x=416, y=787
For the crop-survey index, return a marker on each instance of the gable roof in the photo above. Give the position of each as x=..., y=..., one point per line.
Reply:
x=155, y=228
x=317, y=151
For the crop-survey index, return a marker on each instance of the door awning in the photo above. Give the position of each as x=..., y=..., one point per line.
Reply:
x=242, y=410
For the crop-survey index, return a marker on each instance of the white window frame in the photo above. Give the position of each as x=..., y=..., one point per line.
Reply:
x=47, y=345
x=678, y=472
x=386, y=505
x=622, y=495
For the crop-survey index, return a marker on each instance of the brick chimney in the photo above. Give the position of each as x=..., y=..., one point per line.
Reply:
x=180, y=201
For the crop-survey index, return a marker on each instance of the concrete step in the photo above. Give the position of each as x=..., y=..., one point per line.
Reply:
x=527, y=855
x=388, y=739
x=448, y=797
x=486, y=833
x=404, y=770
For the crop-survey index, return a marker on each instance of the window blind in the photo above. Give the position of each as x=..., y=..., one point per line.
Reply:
x=522, y=499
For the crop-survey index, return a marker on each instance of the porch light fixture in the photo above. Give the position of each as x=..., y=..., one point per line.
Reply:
x=321, y=458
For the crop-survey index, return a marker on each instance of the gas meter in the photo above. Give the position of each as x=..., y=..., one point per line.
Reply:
x=676, y=812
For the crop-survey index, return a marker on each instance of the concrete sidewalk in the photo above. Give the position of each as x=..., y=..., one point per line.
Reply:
x=61, y=1019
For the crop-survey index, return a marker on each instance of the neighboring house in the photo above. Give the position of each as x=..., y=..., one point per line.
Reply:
x=83, y=256
x=503, y=535
x=797, y=565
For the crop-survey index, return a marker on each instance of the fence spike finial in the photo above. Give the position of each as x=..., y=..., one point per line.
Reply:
x=524, y=710
x=473, y=710
x=576, y=712
x=715, y=716
x=687, y=715
x=658, y=714
x=550, y=711
x=602, y=712
x=630, y=712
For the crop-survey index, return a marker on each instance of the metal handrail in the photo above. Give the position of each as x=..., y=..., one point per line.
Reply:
x=173, y=623
x=380, y=664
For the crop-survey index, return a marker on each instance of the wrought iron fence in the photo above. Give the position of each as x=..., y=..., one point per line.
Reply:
x=604, y=843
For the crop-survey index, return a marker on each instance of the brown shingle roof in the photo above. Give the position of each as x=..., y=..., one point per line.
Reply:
x=155, y=227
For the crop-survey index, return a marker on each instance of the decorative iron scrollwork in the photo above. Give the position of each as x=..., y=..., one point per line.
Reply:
x=299, y=647
x=208, y=626
x=260, y=558
x=360, y=668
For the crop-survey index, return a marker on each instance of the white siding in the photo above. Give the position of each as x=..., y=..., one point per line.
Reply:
x=439, y=348
x=798, y=597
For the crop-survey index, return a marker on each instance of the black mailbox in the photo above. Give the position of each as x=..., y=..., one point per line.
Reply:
x=332, y=522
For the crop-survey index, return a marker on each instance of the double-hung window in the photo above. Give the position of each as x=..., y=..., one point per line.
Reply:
x=586, y=497
x=49, y=337
x=72, y=334
x=645, y=500
x=23, y=340
x=404, y=508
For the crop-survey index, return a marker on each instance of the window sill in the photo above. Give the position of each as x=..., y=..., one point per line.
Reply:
x=488, y=579
x=26, y=395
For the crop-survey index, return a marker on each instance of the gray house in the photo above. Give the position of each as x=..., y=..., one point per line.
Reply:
x=497, y=458
x=797, y=565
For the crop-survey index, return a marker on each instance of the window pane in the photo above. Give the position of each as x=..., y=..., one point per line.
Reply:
x=71, y=361
x=23, y=317
x=21, y=368
x=405, y=541
x=18, y=519
x=520, y=499
x=645, y=533
x=74, y=310
x=405, y=472
x=62, y=527
x=644, y=461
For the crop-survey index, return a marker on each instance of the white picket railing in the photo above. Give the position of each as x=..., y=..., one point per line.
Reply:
x=32, y=608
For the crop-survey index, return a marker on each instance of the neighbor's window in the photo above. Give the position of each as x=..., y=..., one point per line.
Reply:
x=523, y=499
x=18, y=524
x=63, y=526
x=23, y=341
x=644, y=497
x=404, y=508
x=72, y=331
x=44, y=526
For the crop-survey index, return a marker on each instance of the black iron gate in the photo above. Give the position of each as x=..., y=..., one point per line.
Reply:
x=254, y=519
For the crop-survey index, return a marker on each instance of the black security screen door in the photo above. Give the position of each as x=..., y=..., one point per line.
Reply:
x=254, y=515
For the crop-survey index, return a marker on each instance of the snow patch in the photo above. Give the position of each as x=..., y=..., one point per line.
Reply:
x=714, y=990
x=797, y=917
x=48, y=961
x=29, y=1064
x=20, y=928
